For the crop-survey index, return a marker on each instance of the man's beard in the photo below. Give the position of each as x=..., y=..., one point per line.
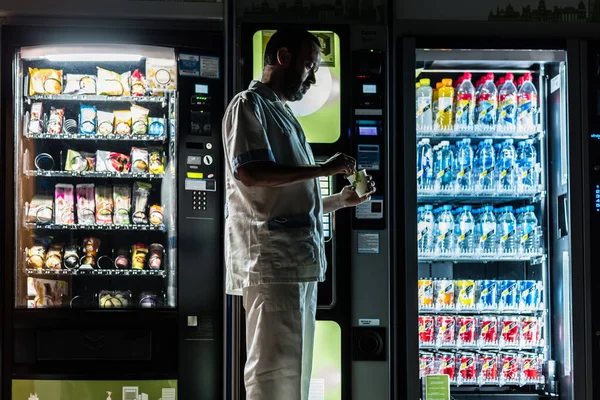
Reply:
x=292, y=86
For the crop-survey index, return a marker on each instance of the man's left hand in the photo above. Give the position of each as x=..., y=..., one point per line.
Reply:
x=350, y=198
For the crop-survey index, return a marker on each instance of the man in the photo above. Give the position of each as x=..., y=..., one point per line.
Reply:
x=274, y=248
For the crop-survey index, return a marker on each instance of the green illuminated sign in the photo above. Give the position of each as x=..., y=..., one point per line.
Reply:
x=94, y=390
x=326, y=378
x=437, y=387
x=319, y=112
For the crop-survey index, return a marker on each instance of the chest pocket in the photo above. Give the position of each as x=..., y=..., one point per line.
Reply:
x=292, y=241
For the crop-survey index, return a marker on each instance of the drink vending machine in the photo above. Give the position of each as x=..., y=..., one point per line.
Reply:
x=495, y=262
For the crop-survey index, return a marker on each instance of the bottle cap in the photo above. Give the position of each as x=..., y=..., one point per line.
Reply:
x=509, y=76
x=428, y=207
x=527, y=76
x=467, y=141
x=447, y=82
x=439, y=85
x=444, y=143
x=508, y=208
x=467, y=76
x=417, y=85
x=426, y=140
x=489, y=76
x=508, y=141
x=447, y=207
x=425, y=82
x=467, y=208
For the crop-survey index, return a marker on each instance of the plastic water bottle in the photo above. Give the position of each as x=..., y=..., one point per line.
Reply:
x=507, y=231
x=445, y=174
x=507, y=173
x=444, y=117
x=527, y=105
x=508, y=105
x=424, y=164
x=528, y=231
x=424, y=105
x=487, y=159
x=445, y=231
x=487, y=103
x=464, y=108
x=465, y=165
x=465, y=234
x=436, y=160
x=425, y=227
x=527, y=167
x=487, y=238
x=477, y=162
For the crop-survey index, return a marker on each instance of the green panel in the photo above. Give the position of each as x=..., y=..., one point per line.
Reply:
x=94, y=390
x=326, y=379
x=319, y=112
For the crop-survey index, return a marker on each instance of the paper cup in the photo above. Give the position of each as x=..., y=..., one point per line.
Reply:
x=359, y=182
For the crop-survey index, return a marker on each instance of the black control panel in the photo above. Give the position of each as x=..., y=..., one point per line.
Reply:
x=368, y=133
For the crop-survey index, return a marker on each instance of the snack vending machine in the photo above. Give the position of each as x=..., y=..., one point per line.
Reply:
x=495, y=257
x=116, y=156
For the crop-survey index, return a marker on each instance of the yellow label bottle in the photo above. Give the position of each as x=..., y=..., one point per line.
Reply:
x=445, y=105
x=435, y=98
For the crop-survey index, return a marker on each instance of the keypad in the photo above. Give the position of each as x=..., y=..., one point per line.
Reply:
x=199, y=200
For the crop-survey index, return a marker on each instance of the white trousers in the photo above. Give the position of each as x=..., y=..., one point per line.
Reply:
x=280, y=331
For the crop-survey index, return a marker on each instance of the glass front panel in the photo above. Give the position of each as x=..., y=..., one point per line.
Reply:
x=95, y=164
x=319, y=112
x=326, y=378
x=482, y=180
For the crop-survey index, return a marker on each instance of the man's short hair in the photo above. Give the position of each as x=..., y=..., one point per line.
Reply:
x=290, y=38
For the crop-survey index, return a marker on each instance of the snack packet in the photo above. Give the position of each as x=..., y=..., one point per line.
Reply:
x=45, y=81
x=87, y=120
x=122, y=200
x=112, y=84
x=161, y=75
x=36, y=119
x=114, y=299
x=71, y=256
x=64, y=204
x=156, y=256
x=54, y=256
x=122, y=258
x=106, y=123
x=139, y=160
x=156, y=215
x=40, y=210
x=36, y=254
x=55, y=122
x=139, y=253
x=104, y=205
x=139, y=120
x=86, y=206
x=90, y=252
x=156, y=126
x=141, y=193
x=112, y=162
x=156, y=161
x=123, y=122
x=80, y=84
x=138, y=85
x=77, y=161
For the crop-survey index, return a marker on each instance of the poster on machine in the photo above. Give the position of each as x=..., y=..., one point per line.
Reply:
x=96, y=390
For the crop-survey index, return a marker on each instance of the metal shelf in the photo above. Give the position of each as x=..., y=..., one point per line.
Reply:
x=477, y=197
x=111, y=272
x=94, y=174
x=97, y=98
x=483, y=259
x=497, y=347
x=475, y=312
x=479, y=133
x=97, y=137
x=111, y=228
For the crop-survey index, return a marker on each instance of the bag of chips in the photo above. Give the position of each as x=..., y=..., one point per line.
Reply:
x=122, y=199
x=55, y=122
x=108, y=161
x=123, y=122
x=139, y=160
x=104, y=205
x=80, y=84
x=36, y=119
x=161, y=75
x=45, y=81
x=156, y=164
x=112, y=84
x=64, y=204
x=86, y=206
x=106, y=123
x=87, y=120
x=139, y=120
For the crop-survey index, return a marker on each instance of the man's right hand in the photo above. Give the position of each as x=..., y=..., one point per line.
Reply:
x=339, y=164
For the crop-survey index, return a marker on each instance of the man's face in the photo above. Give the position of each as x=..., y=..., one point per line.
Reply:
x=300, y=73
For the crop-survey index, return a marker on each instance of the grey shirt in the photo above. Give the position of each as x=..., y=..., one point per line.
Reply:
x=272, y=235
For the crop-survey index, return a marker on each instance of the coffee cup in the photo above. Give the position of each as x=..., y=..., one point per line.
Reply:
x=360, y=183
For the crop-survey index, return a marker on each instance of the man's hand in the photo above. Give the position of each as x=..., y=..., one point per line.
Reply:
x=350, y=198
x=339, y=164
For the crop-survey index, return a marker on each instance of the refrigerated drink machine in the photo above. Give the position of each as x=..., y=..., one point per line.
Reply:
x=345, y=112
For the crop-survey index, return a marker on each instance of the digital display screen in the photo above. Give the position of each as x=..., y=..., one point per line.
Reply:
x=367, y=131
x=369, y=89
x=201, y=89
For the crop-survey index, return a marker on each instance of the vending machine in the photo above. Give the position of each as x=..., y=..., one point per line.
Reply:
x=112, y=170
x=345, y=111
x=493, y=274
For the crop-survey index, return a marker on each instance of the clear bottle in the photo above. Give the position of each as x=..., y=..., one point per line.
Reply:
x=445, y=175
x=424, y=164
x=527, y=105
x=425, y=227
x=487, y=159
x=445, y=105
x=424, y=105
x=445, y=231
x=528, y=176
x=464, y=107
x=507, y=174
x=487, y=103
x=436, y=160
x=435, y=98
x=506, y=227
x=477, y=163
x=465, y=233
x=508, y=105
x=528, y=231
x=487, y=239
x=465, y=166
